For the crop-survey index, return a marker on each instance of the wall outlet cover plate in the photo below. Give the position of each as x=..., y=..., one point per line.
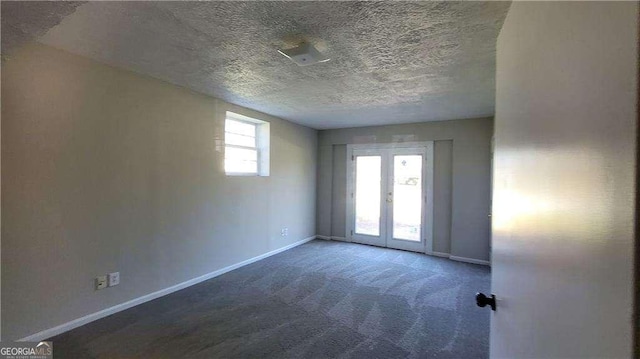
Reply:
x=114, y=279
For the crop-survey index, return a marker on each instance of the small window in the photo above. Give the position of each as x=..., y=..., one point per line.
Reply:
x=246, y=146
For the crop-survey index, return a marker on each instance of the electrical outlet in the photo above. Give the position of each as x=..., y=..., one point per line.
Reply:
x=284, y=232
x=101, y=282
x=114, y=279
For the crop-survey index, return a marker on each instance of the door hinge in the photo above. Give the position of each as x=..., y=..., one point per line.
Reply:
x=352, y=232
x=351, y=194
x=353, y=157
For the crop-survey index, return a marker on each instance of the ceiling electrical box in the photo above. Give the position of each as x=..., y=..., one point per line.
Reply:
x=304, y=55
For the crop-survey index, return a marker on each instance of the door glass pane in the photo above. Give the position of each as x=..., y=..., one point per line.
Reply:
x=367, y=195
x=407, y=197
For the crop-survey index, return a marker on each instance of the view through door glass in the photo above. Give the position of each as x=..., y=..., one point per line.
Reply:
x=407, y=197
x=367, y=195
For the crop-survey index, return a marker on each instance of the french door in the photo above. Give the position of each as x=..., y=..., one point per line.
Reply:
x=390, y=195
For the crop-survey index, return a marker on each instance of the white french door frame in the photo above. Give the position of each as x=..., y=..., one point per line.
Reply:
x=427, y=185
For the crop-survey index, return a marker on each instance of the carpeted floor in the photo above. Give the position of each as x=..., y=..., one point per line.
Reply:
x=319, y=300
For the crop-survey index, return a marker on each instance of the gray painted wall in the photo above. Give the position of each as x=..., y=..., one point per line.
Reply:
x=462, y=161
x=339, y=195
x=324, y=190
x=104, y=170
x=442, y=190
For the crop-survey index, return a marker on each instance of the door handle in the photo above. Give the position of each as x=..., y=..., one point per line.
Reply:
x=482, y=301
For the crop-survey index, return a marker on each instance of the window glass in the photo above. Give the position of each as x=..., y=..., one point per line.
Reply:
x=246, y=146
x=240, y=128
x=239, y=140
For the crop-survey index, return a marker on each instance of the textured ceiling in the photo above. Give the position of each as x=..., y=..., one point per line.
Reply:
x=391, y=62
x=27, y=20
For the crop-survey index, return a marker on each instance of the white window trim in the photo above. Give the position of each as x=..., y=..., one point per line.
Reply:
x=262, y=144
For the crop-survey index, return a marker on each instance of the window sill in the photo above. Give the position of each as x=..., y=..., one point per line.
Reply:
x=240, y=174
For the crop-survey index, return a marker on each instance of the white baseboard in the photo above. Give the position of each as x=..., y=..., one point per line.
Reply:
x=470, y=260
x=459, y=259
x=48, y=333
x=331, y=238
x=439, y=254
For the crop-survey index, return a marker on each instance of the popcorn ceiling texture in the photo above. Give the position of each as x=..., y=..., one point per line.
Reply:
x=26, y=20
x=391, y=62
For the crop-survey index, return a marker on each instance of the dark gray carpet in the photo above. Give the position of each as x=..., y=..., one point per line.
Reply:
x=320, y=300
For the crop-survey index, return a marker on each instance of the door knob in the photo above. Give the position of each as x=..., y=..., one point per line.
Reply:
x=482, y=301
